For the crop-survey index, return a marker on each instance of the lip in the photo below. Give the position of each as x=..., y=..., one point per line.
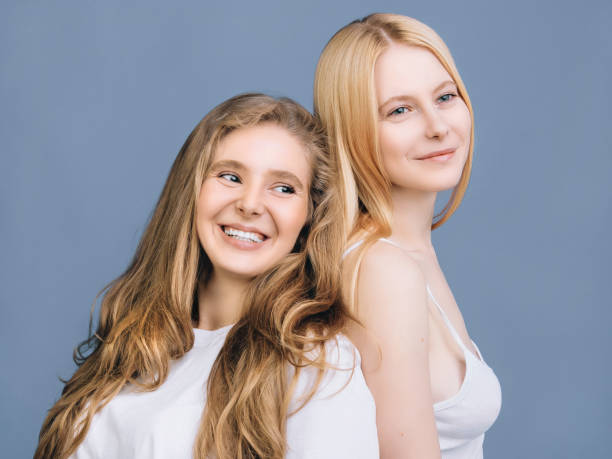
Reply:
x=440, y=155
x=248, y=229
x=243, y=245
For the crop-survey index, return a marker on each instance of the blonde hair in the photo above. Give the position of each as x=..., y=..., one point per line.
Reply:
x=345, y=101
x=147, y=314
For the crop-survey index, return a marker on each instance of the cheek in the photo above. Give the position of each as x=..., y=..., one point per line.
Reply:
x=201, y=214
x=396, y=142
x=389, y=142
x=203, y=203
x=462, y=122
x=291, y=220
x=210, y=202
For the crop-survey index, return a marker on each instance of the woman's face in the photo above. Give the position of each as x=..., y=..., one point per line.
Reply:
x=254, y=201
x=424, y=125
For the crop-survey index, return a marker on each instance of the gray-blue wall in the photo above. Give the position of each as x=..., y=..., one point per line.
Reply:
x=97, y=97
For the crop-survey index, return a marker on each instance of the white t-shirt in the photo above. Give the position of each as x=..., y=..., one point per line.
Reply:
x=338, y=422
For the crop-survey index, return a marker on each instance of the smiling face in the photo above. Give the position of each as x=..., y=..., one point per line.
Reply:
x=424, y=125
x=254, y=201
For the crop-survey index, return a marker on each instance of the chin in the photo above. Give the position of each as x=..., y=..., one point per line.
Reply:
x=244, y=272
x=247, y=270
x=433, y=184
x=446, y=185
x=446, y=181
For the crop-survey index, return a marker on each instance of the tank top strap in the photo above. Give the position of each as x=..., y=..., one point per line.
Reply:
x=351, y=248
x=395, y=244
x=358, y=243
x=447, y=321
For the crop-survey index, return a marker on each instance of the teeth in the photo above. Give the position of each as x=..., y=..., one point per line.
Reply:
x=242, y=235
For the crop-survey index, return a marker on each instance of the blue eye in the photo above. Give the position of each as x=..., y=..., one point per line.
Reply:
x=447, y=97
x=229, y=177
x=285, y=189
x=399, y=111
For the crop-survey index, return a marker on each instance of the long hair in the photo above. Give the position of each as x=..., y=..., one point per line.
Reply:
x=147, y=314
x=345, y=101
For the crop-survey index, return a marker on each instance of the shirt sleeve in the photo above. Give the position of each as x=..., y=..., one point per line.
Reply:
x=339, y=421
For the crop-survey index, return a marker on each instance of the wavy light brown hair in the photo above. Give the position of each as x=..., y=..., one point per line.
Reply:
x=345, y=101
x=147, y=313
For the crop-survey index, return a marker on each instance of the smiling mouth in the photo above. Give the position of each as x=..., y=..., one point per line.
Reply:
x=246, y=236
x=439, y=155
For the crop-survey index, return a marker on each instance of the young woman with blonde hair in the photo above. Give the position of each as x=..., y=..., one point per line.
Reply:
x=400, y=128
x=221, y=339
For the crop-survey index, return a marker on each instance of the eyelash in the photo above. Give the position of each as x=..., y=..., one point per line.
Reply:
x=287, y=189
x=449, y=97
x=225, y=174
x=395, y=111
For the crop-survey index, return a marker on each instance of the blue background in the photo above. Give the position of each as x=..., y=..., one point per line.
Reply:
x=97, y=97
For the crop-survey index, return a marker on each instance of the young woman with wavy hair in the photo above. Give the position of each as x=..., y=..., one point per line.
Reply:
x=400, y=129
x=221, y=339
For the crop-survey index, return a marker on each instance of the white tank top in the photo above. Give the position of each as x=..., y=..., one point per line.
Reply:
x=463, y=419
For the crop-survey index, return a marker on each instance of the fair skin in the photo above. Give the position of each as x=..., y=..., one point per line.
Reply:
x=252, y=206
x=409, y=358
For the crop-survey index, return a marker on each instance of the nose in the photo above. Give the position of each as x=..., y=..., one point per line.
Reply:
x=436, y=126
x=250, y=202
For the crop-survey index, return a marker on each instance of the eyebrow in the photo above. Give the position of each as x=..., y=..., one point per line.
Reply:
x=403, y=97
x=288, y=176
x=276, y=173
x=230, y=163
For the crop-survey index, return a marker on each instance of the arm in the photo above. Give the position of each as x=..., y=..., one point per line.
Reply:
x=392, y=305
x=340, y=420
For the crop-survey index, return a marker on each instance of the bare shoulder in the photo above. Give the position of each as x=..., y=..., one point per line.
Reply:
x=388, y=278
x=391, y=304
x=389, y=258
x=393, y=341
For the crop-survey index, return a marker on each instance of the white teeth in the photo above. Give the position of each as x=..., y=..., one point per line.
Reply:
x=242, y=235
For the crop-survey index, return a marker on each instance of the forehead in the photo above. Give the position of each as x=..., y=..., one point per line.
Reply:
x=265, y=147
x=406, y=69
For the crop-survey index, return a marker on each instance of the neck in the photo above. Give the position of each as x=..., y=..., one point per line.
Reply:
x=220, y=300
x=413, y=213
